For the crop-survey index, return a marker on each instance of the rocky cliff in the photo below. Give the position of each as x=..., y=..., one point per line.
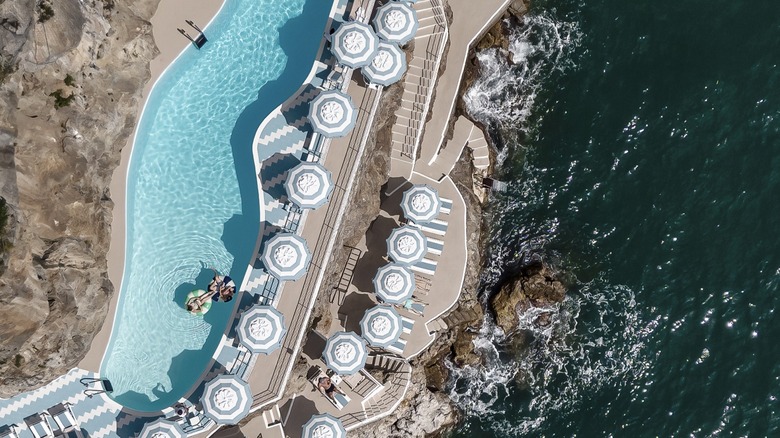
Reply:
x=71, y=75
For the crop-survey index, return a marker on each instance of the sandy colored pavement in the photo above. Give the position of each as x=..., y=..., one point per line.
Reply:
x=470, y=20
x=170, y=15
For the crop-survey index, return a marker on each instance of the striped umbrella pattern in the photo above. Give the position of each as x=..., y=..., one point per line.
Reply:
x=388, y=65
x=286, y=256
x=332, y=113
x=162, y=428
x=381, y=326
x=394, y=283
x=354, y=44
x=396, y=22
x=345, y=353
x=324, y=426
x=309, y=185
x=421, y=203
x=226, y=399
x=261, y=329
x=407, y=245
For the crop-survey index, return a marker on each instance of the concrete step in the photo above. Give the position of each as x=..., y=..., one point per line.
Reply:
x=481, y=163
x=425, y=14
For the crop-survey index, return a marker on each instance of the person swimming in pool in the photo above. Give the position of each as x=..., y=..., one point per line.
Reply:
x=195, y=304
x=222, y=287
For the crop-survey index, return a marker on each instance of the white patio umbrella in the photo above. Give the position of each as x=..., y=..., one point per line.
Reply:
x=309, y=185
x=162, y=428
x=226, y=399
x=421, y=203
x=324, y=426
x=407, y=245
x=345, y=353
x=394, y=283
x=396, y=22
x=286, y=256
x=388, y=65
x=261, y=329
x=332, y=113
x=381, y=326
x=354, y=44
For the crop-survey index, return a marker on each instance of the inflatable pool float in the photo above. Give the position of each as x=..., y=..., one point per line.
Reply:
x=204, y=308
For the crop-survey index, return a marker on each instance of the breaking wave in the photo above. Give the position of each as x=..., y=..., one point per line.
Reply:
x=596, y=336
x=503, y=96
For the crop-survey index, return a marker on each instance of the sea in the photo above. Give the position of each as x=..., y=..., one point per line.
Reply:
x=641, y=144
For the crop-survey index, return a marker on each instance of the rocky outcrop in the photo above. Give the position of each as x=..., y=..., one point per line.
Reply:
x=535, y=286
x=72, y=75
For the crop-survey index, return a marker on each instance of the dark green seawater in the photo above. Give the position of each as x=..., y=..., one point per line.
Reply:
x=641, y=141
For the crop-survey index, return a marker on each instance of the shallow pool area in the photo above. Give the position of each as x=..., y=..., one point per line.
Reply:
x=192, y=200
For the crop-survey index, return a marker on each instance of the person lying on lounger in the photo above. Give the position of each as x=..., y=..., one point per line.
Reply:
x=329, y=387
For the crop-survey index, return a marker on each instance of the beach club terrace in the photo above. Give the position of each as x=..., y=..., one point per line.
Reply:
x=399, y=280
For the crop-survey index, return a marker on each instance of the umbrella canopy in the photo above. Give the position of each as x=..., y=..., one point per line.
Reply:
x=407, y=245
x=324, y=426
x=396, y=22
x=388, y=65
x=345, y=353
x=162, y=428
x=394, y=283
x=354, y=44
x=309, y=185
x=332, y=114
x=286, y=256
x=421, y=203
x=381, y=326
x=226, y=399
x=261, y=329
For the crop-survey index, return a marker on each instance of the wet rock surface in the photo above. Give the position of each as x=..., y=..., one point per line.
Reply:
x=535, y=286
x=71, y=81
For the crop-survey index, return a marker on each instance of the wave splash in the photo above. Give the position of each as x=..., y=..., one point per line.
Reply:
x=595, y=338
x=504, y=94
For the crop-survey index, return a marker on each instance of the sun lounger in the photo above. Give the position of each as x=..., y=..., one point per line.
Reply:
x=446, y=206
x=64, y=420
x=435, y=246
x=8, y=431
x=397, y=347
x=407, y=324
x=425, y=266
x=338, y=400
x=38, y=426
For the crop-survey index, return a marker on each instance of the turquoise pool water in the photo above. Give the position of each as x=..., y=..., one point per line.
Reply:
x=192, y=199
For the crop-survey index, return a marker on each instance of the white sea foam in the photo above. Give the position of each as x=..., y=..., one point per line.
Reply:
x=595, y=338
x=505, y=92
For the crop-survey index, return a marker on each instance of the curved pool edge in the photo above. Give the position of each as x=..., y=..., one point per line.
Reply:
x=159, y=66
x=102, y=341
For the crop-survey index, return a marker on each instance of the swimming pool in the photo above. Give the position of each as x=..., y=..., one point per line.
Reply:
x=192, y=200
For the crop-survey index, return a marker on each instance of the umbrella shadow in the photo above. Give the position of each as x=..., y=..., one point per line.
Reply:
x=392, y=204
x=354, y=307
x=375, y=255
x=297, y=412
x=273, y=174
x=314, y=346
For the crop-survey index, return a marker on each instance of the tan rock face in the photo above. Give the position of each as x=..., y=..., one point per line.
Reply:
x=57, y=155
x=536, y=286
